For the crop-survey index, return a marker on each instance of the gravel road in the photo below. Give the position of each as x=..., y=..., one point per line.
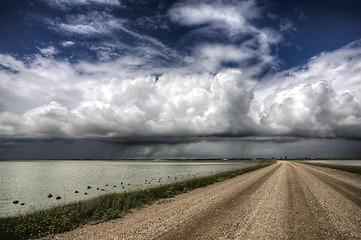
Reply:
x=283, y=201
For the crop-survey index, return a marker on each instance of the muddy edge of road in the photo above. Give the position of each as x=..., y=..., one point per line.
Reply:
x=283, y=201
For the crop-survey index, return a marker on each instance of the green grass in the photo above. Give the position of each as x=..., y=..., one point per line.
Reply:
x=103, y=208
x=351, y=169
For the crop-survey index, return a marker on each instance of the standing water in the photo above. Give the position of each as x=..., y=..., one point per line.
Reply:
x=352, y=163
x=36, y=184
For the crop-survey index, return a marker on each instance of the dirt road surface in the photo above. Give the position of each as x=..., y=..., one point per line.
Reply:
x=283, y=201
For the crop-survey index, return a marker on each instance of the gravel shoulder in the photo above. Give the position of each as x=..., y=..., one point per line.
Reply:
x=283, y=201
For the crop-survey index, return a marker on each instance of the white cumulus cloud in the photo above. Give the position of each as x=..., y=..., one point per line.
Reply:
x=232, y=15
x=74, y=102
x=319, y=99
x=45, y=98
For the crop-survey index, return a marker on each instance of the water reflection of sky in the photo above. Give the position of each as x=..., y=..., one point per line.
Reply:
x=31, y=181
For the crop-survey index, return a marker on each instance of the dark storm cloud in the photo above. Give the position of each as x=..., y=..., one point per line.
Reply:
x=221, y=148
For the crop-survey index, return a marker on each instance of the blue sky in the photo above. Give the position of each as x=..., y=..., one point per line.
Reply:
x=150, y=79
x=306, y=28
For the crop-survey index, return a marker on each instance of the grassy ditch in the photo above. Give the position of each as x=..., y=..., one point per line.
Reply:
x=350, y=169
x=103, y=208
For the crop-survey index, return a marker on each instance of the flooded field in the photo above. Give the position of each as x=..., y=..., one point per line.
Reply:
x=354, y=163
x=37, y=184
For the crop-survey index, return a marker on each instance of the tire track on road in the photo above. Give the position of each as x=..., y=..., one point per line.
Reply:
x=306, y=216
x=216, y=215
x=339, y=216
x=347, y=190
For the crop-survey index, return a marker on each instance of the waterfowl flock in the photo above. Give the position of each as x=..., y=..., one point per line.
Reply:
x=129, y=186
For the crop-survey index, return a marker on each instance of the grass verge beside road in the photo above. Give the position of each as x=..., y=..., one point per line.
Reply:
x=103, y=208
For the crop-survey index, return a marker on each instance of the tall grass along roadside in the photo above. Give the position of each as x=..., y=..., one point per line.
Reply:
x=350, y=169
x=103, y=208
